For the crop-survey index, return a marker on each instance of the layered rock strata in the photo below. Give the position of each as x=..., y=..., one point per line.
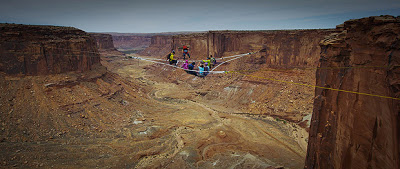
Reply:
x=160, y=46
x=354, y=130
x=198, y=44
x=131, y=42
x=38, y=50
x=278, y=48
x=105, y=44
x=103, y=41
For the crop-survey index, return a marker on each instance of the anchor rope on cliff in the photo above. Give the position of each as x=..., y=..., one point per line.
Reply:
x=212, y=70
x=315, y=86
x=174, y=66
x=283, y=81
x=234, y=57
x=222, y=58
x=272, y=69
x=316, y=68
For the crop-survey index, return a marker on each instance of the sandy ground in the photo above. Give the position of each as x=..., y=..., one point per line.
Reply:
x=276, y=139
x=129, y=117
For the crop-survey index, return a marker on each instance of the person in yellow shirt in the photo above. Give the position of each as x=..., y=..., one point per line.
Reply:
x=171, y=58
x=208, y=61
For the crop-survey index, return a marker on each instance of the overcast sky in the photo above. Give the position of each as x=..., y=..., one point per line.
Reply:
x=148, y=16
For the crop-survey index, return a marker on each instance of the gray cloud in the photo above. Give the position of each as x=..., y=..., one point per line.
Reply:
x=178, y=15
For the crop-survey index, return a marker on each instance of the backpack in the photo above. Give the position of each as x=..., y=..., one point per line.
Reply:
x=213, y=61
x=206, y=69
x=168, y=56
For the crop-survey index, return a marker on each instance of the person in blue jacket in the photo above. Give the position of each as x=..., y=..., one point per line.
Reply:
x=206, y=69
x=191, y=67
x=201, y=70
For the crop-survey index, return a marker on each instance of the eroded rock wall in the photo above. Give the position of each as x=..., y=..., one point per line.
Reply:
x=160, y=46
x=103, y=41
x=197, y=43
x=282, y=48
x=38, y=50
x=353, y=130
x=105, y=44
x=131, y=41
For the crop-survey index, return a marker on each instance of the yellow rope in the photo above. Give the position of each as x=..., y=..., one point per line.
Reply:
x=340, y=90
x=308, y=68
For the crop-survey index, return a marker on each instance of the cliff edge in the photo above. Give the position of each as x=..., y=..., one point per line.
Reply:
x=40, y=50
x=354, y=130
x=105, y=44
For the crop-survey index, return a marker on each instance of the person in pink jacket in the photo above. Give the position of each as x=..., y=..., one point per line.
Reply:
x=185, y=65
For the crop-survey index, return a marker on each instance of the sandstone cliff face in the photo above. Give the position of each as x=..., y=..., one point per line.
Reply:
x=127, y=41
x=37, y=50
x=197, y=43
x=105, y=45
x=160, y=46
x=283, y=48
x=350, y=130
x=103, y=41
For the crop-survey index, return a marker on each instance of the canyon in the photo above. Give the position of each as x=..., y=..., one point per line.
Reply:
x=119, y=114
x=287, y=55
x=70, y=100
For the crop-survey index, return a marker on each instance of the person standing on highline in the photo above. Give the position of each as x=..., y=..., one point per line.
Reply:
x=185, y=52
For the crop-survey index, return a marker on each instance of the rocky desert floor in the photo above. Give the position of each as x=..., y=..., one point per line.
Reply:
x=134, y=114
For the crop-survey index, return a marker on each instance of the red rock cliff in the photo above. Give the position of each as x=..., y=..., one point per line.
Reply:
x=198, y=44
x=37, y=50
x=103, y=41
x=283, y=48
x=160, y=46
x=351, y=130
x=130, y=41
x=105, y=45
